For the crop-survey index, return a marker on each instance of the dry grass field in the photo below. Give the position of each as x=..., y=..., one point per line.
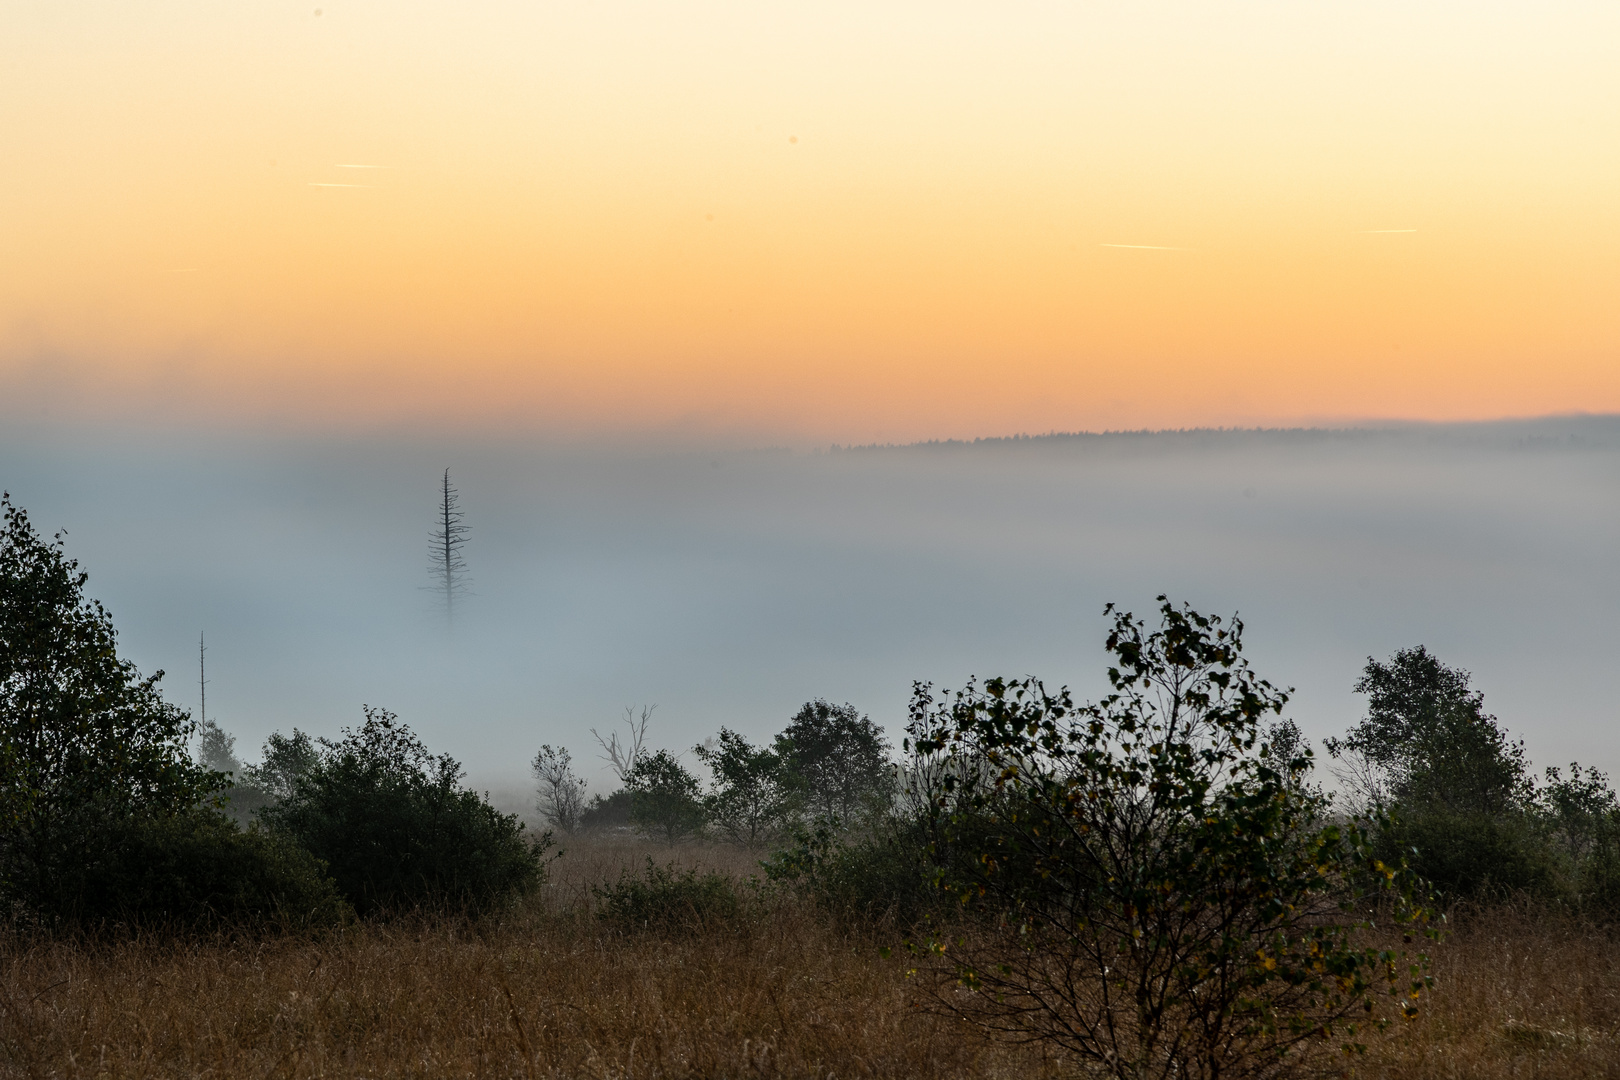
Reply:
x=551, y=992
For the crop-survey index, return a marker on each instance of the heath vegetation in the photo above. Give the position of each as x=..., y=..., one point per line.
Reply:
x=1152, y=885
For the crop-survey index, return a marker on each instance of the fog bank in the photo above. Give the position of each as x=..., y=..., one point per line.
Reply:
x=729, y=587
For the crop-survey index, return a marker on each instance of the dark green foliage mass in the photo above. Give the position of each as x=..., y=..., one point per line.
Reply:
x=837, y=762
x=1460, y=804
x=399, y=832
x=200, y=869
x=106, y=818
x=1150, y=883
x=86, y=735
x=1470, y=854
x=665, y=800
x=285, y=758
x=750, y=797
x=1581, y=815
x=666, y=899
x=1427, y=740
x=607, y=811
x=887, y=874
x=86, y=742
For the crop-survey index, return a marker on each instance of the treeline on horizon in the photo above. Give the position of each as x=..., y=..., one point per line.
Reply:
x=1584, y=429
x=1168, y=842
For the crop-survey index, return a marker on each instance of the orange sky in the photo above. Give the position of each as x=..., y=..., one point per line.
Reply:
x=827, y=221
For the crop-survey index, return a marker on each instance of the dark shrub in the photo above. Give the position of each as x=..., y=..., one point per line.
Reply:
x=665, y=800
x=1462, y=807
x=837, y=763
x=97, y=787
x=885, y=874
x=1427, y=740
x=750, y=797
x=1471, y=854
x=612, y=812
x=399, y=832
x=1598, y=881
x=1152, y=887
x=1580, y=815
x=664, y=899
x=199, y=869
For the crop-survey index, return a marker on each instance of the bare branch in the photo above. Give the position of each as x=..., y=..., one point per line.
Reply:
x=624, y=757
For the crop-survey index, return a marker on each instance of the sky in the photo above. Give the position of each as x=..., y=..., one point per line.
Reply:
x=805, y=223
x=689, y=297
x=729, y=587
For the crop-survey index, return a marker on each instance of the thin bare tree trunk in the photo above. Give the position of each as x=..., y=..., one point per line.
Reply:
x=447, y=562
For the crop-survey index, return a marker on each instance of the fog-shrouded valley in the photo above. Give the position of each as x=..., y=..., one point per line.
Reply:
x=906, y=541
x=727, y=587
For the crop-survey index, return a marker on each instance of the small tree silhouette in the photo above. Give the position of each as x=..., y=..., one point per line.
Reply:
x=665, y=800
x=560, y=794
x=1148, y=881
x=446, y=564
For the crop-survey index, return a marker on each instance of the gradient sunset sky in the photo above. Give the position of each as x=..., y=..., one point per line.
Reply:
x=820, y=221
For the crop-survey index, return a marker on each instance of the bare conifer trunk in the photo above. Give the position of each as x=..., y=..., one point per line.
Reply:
x=448, y=537
x=202, y=677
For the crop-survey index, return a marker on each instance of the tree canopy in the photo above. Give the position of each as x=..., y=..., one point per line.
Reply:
x=665, y=799
x=85, y=739
x=838, y=761
x=1427, y=741
x=398, y=829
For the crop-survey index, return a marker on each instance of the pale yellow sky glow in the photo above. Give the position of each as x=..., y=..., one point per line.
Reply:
x=828, y=221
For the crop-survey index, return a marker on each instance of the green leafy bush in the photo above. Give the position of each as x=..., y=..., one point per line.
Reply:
x=750, y=798
x=885, y=874
x=199, y=869
x=665, y=800
x=282, y=761
x=607, y=812
x=1473, y=854
x=1597, y=879
x=1580, y=815
x=89, y=750
x=399, y=832
x=1427, y=741
x=1458, y=801
x=663, y=899
x=1152, y=886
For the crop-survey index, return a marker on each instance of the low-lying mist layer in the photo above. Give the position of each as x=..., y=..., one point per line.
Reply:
x=730, y=587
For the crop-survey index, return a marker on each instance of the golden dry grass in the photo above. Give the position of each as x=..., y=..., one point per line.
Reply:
x=1518, y=994
x=549, y=992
